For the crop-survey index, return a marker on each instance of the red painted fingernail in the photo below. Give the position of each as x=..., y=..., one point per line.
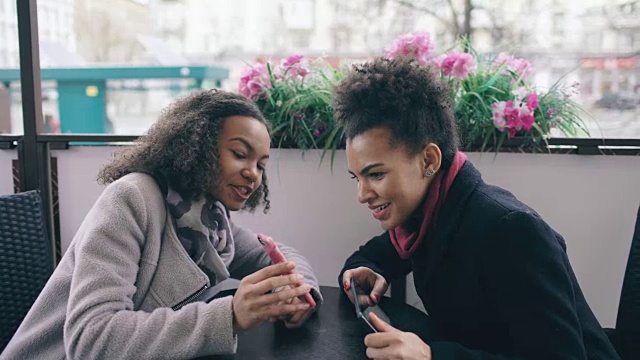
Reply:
x=374, y=297
x=346, y=285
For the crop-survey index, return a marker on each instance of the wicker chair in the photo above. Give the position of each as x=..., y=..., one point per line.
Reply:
x=25, y=258
x=626, y=336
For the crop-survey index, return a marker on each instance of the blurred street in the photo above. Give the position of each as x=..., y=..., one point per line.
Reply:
x=614, y=123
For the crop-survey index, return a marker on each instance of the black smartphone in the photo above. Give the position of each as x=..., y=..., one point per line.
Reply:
x=362, y=311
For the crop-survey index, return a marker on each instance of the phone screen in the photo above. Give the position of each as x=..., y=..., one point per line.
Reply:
x=363, y=310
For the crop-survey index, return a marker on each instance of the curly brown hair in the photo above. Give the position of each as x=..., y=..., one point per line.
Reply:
x=181, y=149
x=402, y=96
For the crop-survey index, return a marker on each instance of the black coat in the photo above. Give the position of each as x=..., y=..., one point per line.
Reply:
x=495, y=280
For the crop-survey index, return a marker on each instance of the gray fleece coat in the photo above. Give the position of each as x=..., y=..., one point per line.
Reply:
x=120, y=289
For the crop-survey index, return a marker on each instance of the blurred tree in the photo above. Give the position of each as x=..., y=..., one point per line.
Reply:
x=108, y=31
x=458, y=20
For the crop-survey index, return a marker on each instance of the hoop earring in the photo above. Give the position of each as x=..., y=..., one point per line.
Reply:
x=429, y=173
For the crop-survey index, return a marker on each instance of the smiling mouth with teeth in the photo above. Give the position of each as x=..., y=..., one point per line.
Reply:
x=381, y=207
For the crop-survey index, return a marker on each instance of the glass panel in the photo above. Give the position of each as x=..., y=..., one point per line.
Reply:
x=120, y=73
x=10, y=98
x=57, y=36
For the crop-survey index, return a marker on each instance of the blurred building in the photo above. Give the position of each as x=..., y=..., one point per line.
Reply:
x=109, y=31
x=56, y=30
x=201, y=30
x=611, y=58
x=8, y=34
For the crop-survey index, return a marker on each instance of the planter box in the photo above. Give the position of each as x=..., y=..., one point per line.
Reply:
x=590, y=200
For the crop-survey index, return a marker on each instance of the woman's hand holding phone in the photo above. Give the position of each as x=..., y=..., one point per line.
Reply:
x=386, y=342
x=365, y=279
x=271, y=249
x=290, y=320
x=391, y=343
x=296, y=320
x=254, y=302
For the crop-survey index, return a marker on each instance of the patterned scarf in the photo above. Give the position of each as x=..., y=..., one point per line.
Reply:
x=205, y=232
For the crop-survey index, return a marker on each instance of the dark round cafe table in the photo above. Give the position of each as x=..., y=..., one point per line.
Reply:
x=334, y=332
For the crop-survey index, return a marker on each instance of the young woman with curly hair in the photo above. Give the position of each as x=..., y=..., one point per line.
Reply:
x=159, y=234
x=493, y=276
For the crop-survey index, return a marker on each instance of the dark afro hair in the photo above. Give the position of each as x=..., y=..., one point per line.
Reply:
x=402, y=96
x=181, y=149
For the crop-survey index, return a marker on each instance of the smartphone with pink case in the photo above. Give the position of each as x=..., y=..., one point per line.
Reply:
x=271, y=248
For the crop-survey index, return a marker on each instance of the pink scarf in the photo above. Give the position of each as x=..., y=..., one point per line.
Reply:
x=406, y=238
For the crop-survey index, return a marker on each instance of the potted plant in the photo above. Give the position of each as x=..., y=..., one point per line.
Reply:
x=295, y=95
x=494, y=98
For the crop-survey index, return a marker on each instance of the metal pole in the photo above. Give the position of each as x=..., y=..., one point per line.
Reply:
x=46, y=194
x=34, y=158
x=31, y=92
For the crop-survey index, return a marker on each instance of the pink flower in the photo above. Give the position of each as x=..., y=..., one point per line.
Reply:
x=520, y=93
x=512, y=118
x=498, y=114
x=572, y=90
x=417, y=44
x=456, y=64
x=519, y=66
x=532, y=101
x=254, y=80
x=294, y=66
x=293, y=59
x=524, y=118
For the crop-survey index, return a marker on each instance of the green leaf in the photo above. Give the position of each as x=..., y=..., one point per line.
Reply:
x=332, y=143
x=489, y=83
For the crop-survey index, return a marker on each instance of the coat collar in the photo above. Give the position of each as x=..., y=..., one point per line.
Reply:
x=440, y=240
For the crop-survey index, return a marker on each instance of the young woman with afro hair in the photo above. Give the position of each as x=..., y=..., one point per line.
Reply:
x=492, y=275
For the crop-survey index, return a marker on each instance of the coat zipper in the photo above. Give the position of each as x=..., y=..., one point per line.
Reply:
x=188, y=300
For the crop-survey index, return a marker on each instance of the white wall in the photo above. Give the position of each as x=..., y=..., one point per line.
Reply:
x=77, y=186
x=591, y=200
x=6, y=174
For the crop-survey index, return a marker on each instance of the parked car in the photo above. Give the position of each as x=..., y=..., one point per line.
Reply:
x=619, y=101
